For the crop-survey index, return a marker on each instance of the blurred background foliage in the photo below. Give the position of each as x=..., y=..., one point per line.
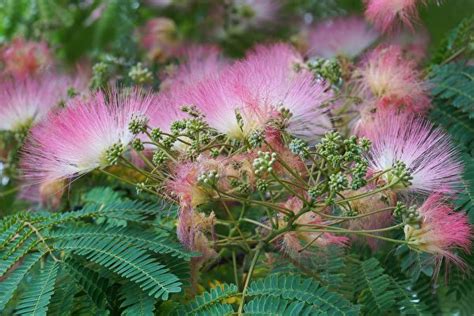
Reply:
x=78, y=28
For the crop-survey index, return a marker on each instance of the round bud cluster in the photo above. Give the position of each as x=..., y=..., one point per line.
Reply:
x=299, y=147
x=159, y=157
x=262, y=185
x=140, y=74
x=358, y=173
x=138, y=124
x=256, y=138
x=140, y=186
x=178, y=126
x=209, y=178
x=137, y=144
x=409, y=215
x=315, y=191
x=338, y=182
x=400, y=175
x=113, y=153
x=156, y=134
x=264, y=162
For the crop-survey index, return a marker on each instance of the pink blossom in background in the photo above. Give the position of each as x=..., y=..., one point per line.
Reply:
x=25, y=102
x=441, y=230
x=75, y=140
x=345, y=36
x=159, y=3
x=392, y=81
x=158, y=37
x=386, y=15
x=425, y=150
x=197, y=63
x=47, y=194
x=414, y=43
x=22, y=58
x=255, y=13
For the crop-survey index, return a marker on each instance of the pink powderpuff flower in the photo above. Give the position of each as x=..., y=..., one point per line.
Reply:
x=392, y=81
x=25, y=102
x=293, y=243
x=426, y=151
x=198, y=63
x=22, y=58
x=78, y=139
x=257, y=88
x=158, y=38
x=440, y=232
x=386, y=14
x=219, y=101
x=342, y=36
x=268, y=81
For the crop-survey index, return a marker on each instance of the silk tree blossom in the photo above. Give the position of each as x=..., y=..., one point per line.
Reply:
x=392, y=81
x=441, y=230
x=268, y=81
x=22, y=58
x=89, y=133
x=427, y=152
x=246, y=96
x=24, y=103
x=387, y=14
x=342, y=36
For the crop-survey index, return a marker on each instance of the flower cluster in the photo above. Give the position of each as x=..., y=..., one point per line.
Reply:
x=298, y=151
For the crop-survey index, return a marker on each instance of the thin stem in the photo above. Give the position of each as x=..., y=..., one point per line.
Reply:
x=248, y=220
x=249, y=276
x=234, y=265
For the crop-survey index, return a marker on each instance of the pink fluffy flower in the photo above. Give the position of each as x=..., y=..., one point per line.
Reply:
x=347, y=36
x=386, y=14
x=257, y=88
x=392, y=81
x=198, y=62
x=22, y=58
x=76, y=140
x=26, y=102
x=426, y=151
x=441, y=230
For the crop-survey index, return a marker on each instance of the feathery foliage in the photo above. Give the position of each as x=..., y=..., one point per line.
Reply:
x=373, y=287
x=93, y=255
